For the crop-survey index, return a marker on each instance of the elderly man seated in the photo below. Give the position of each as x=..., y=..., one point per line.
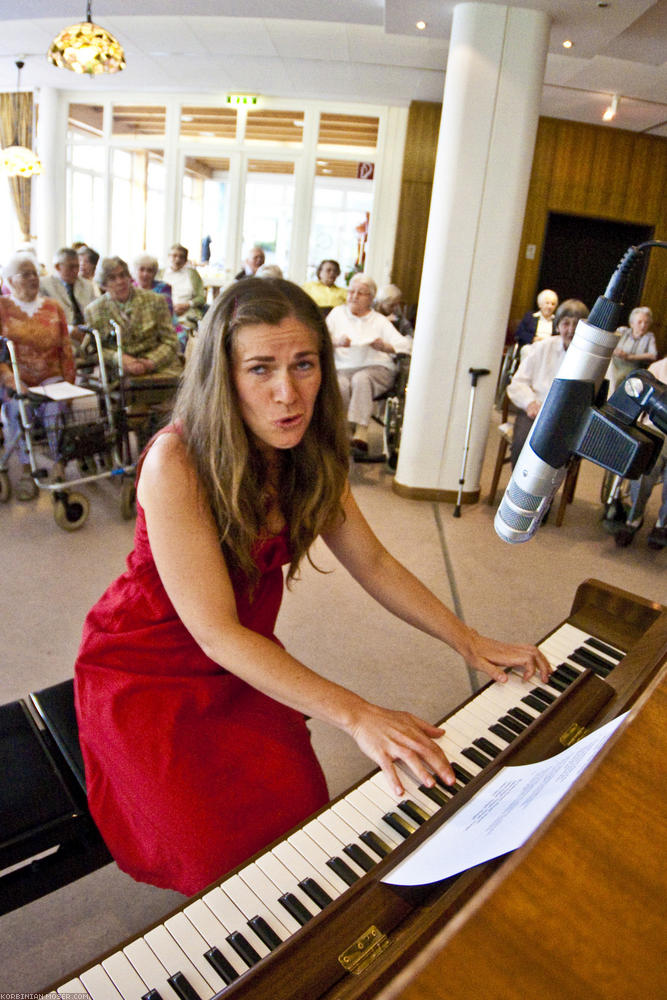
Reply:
x=532, y=380
x=365, y=347
x=187, y=292
x=72, y=292
x=251, y=264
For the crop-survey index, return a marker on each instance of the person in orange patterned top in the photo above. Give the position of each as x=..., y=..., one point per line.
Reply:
x=38, y=329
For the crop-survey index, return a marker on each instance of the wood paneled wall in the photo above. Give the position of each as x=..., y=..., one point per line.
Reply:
x=578, y=169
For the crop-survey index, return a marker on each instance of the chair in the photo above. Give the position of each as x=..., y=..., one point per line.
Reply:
x=47, y=836
x=505, y=430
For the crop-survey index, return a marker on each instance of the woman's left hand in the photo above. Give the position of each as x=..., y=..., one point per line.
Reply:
x=493, y=657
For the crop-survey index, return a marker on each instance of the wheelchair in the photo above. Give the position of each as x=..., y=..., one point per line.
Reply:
x=390, y=407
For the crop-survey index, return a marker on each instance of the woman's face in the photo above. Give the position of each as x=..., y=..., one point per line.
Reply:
x=548, y=304
x=566, y=328
x=119, y=285
x=25, y=283
x=276, y=371
x=145, y=276
x=639, y=324
x=359, y=298
x=328, y=274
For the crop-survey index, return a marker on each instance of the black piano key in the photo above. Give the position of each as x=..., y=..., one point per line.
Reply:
x=583, y=660
x=243, y=948
x=315, y=892
x=265, y=932
x=511, y=723
x=502, y=732
x=225, y=969
x=521, y=716
x=557, y=683
x=343, y=870
x=376, y=844
x=473, y=754
x=533, y=702
x=486, y=746
x=360, y=857
x=182, y=987
x=613, y=654
x=152, y=995
x=568, y=671
x=413, y=811
x=461, y=775
x=546, y=696
x=296, y=908
x=397, y=823
x=435, y=795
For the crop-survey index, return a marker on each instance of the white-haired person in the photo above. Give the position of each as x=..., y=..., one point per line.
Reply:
x=390, y=302
x=144, y=270
x=635, y=349
x=641, y=489
x=37, y=327
x=538, y=325
x=366, y=344
x=72, y=292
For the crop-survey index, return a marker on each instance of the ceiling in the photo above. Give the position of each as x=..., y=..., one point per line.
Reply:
x=349, y=50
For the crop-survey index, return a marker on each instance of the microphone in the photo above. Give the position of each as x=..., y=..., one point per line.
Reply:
x=541, y=466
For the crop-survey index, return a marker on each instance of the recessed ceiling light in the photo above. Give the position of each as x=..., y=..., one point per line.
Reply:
x=567, y=44
x=420, y=25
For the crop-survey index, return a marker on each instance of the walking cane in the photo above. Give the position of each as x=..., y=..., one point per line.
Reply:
x=475, y=374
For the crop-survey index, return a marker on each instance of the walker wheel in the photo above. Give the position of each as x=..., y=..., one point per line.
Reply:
x=71, y=511
x=128, y=498
x=5, y=487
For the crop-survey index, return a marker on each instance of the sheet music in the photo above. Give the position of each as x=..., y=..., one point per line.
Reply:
x=502, y=815
x=59, y=391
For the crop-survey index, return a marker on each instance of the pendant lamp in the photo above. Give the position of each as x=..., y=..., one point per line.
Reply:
x=18, y=160
x=87, y=48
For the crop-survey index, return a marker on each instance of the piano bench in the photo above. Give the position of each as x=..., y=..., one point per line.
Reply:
x=47, y=836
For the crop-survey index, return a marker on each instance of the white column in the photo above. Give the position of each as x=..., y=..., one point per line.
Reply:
x=489, y=120
x=48, y=212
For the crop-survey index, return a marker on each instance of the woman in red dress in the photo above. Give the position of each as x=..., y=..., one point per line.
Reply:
x=191, y=713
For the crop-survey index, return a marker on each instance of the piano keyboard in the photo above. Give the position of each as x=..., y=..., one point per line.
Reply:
x=214, y=939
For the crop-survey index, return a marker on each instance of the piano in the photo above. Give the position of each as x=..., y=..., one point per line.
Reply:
x=309, y=917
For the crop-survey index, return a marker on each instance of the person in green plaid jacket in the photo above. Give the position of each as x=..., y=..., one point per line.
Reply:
x=149, y=343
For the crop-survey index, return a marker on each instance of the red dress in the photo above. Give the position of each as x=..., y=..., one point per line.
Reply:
x=189, y=770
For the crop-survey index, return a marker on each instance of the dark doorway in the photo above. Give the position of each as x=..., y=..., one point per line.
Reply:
x=581, y=254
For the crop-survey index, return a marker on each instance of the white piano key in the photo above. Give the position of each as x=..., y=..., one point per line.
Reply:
x=456, y=735
x=345, y=832
x=231, y=917
x=124, y=976
x=464, y=725
x=73, y=989
x=215, y=935
x=508, y=698
x=330, y=844
x=412, y=791
x=301, y=869
x=480, y=710
x=373, y=813
x=191, y=942
x=313, y=853
x=453, y=754
x=149, y=968
x=175, y=960
x=264, y=889
x=252, y=906
x=284, y=880
x=359, y=822
x=98, y=984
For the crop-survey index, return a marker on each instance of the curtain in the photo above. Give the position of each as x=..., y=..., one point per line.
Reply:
x=16, y=130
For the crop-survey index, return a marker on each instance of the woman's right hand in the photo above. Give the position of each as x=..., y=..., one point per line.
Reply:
x=389, y=737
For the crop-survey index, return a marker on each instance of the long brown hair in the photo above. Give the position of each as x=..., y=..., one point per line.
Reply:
x=230, y=466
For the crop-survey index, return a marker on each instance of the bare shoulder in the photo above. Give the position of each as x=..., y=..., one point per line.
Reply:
x=166, y=466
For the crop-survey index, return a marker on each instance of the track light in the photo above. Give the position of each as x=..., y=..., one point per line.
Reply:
x=610, y=112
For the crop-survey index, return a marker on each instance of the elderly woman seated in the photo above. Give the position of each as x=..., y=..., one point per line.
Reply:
x=366, y=344
x=38, y=330
x=149, y=344
x=144, y=271
x=532, y=380
x=389, y=301
x=324, y=291
x=635, y=349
